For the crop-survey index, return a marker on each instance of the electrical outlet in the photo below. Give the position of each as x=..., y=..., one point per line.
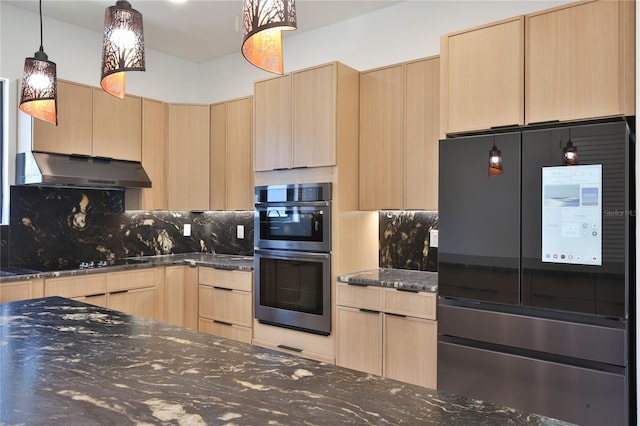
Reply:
x=240, y=232
x=186, y=230
x=433, y=238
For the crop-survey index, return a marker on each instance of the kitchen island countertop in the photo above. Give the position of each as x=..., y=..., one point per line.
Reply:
x=402, y=279
x=65, y=362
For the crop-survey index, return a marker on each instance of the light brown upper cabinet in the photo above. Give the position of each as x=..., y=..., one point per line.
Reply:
x=91, y=122
x=272, y=124
x=154, y=149
x=117, y=126
x=72, y=135
x=571, y=62
x=399, y=116
x=188, y=157
x=314, y=117
x=296, y=117
x=231, y=186
x=580, y=61
x=482, y=77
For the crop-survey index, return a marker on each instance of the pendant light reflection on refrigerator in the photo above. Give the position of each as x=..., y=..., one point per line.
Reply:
x=495, y=160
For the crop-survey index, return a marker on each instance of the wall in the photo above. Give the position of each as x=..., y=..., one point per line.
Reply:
x=57, y=228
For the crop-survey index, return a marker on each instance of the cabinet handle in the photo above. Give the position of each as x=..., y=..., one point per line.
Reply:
x=222, y=322
x=369, y=311
x=505, y=126
x=395, y=315
x=299, y=167
x=536, y=123
x=291, y=348
x=408, y=290
x=119, y=292
x=96, y=295
x=357, y=284
x=281, y=168
x=222, y=288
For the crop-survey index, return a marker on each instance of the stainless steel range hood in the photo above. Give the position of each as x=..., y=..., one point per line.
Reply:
x=40, y=168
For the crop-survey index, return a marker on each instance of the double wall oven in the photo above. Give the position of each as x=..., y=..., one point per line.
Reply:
x=293, y=256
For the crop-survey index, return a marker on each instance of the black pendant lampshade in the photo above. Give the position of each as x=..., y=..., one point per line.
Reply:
x=263, y=23
x=38, y=91
x=122, y=48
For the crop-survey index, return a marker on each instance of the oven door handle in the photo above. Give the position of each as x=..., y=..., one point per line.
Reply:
x=290, y=254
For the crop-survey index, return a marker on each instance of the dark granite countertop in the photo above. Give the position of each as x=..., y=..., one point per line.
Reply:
x=65, y=362
x=403, y=279
x=219, y=261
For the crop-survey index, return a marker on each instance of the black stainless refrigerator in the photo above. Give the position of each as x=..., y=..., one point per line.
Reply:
x=536, y=271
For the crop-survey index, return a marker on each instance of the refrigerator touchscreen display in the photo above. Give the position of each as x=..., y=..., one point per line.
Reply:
x=572, y=214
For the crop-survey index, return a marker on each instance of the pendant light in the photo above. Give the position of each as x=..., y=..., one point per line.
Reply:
x=39, y=92
x=122, y=47
x=263, y=23
x=495, y=160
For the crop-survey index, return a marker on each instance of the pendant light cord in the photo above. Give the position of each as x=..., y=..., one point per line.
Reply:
x=41, y=48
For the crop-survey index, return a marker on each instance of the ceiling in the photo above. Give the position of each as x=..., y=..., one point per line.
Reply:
x=197, y=30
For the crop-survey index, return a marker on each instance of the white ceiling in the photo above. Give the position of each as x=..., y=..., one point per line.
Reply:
x=197, y=30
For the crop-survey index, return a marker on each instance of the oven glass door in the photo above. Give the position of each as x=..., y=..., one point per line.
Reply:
x=293, y=227
x=293, y=289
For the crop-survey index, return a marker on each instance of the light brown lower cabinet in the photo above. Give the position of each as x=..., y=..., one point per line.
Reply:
x=21, y=290
x=133, y=292
x=387, y=332
x=225, y=303
x=181, y=296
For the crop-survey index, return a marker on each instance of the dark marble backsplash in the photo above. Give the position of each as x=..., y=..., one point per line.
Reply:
x=57, y=228
x=404, y=240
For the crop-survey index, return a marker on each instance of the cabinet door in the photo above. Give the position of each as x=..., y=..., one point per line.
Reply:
x=188, y=157
x=314, y=117
x=272, y=121
x=359, y=339
x=72, y=135
x=226, y=305
x=117, y=126
x=181, y=296
x=154, y=148
x=579, y=61
x=21, y=290
x=483, y=77
x=422, y=111
x=410, y=346
x=140, y=302
x=239, y=171
x=218, y=172
x=381, y=139
x=76, y=286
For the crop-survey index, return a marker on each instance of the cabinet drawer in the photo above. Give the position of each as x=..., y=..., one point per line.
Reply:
x=421, y=304
x=236, y=280
x=77, y=286
x=308, y=345
x=359, y=296
x=229, y=331
x=230, y=306
x=128, y=280
x=97, y=300
x=22, y=290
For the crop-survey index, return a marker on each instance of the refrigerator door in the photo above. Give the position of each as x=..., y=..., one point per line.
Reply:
x=560, y=278
x=479, y=220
